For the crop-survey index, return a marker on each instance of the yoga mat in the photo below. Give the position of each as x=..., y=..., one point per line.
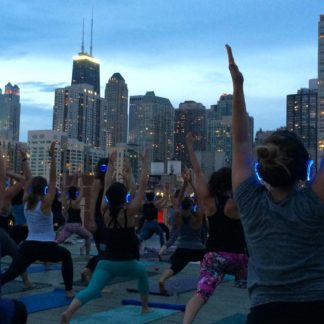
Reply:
x=179, y=307
x=174, y=285
x=41, y=268
x=39, y=302
x=233, y=319
x=16, y=286
x=124, y=314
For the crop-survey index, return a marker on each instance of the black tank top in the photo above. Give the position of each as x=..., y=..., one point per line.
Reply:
x=150, y=212
x=122, y=242
x=225, y=234
x=98, y=217
x=74, y=215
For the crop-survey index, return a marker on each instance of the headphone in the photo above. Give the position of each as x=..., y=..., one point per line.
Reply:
x=310, y=170
x=103, y=168
x=128, y=199
x=77, y=194
x=44, y=193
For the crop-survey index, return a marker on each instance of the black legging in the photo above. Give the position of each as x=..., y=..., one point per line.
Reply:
x=31, y=251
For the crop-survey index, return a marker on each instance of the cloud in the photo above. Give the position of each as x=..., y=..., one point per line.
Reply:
x=42, y=86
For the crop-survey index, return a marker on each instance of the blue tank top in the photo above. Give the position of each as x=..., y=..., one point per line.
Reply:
x=189, y=238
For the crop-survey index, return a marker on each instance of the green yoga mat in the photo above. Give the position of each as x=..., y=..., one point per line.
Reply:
x=124, y=314
x=233, y=319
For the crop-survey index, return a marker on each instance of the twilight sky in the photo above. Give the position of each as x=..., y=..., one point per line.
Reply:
x=173, y=47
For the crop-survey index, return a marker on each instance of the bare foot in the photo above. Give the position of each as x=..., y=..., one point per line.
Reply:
x=163, y=290
x=106, y=290
x=70, y=293
x=145, y=309
x=65, y=319
x=86, y=275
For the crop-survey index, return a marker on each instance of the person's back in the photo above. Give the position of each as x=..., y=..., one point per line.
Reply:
x=283, y=225
x=285, y=243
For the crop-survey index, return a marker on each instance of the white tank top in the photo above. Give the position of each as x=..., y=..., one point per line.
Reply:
x=40, y=226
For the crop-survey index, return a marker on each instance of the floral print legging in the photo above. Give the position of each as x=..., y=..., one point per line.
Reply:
x=213, y=268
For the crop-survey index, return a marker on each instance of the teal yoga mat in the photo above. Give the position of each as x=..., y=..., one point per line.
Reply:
x=237, y=318
x=124, y=314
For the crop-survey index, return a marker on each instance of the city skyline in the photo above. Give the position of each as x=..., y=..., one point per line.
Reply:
x=174, y=49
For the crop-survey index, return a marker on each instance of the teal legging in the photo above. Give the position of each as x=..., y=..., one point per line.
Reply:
x=107, y=270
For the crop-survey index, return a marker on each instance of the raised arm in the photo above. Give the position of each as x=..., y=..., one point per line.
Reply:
x=14, y=189
x=2, y=178
x=89, y=221
x=242, y=149
x=318, y=183
x=24, y=163
x=108, y=179
x=129, y=178
x=49, y=197
x=200, y=181
x=136, y=203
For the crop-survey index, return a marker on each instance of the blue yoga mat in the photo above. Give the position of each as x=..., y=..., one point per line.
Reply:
x=233, y=319
x=39, y=302
x=41, y=268
x=124, y=314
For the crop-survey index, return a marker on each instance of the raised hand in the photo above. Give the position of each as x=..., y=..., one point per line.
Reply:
x=189, y=139
x=237, y=76
x=52, y=149
x=23, y=152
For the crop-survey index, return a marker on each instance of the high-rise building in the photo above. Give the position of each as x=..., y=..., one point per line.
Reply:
x=219, y=129
x=71, y=155
x=320, y=93
x=189, y=117
x=302, y=118
x=86, y=68
x=10, y=113
x=115, y=116
x=151, y=124
x=77, y=112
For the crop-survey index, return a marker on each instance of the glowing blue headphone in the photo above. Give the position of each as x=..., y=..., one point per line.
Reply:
x=128, y=199
x=310, y=170
x=45, y=190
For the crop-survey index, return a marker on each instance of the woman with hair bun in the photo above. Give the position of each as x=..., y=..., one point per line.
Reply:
x=40, y=243
x=122, y=247
x=283, y=223
x=225, y=246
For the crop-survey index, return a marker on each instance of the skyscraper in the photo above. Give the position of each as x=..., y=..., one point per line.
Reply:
x=151, y=124
x=77, y=112
x=189, y=117
x=302, y=118
x=86, y=68
x=116, y=117
x=219, y=129
x=320, y=93
x=10, y=113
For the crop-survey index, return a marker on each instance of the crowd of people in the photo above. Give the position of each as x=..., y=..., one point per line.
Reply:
x=262, y=220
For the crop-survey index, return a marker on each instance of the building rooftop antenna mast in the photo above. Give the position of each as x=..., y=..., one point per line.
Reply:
x=91, y=33
x=82, y=43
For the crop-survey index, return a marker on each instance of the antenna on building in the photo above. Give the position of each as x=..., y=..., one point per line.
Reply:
x=91, y=33
x=82, y=43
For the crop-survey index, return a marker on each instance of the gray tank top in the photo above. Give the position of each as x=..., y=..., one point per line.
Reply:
x=189, y=238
